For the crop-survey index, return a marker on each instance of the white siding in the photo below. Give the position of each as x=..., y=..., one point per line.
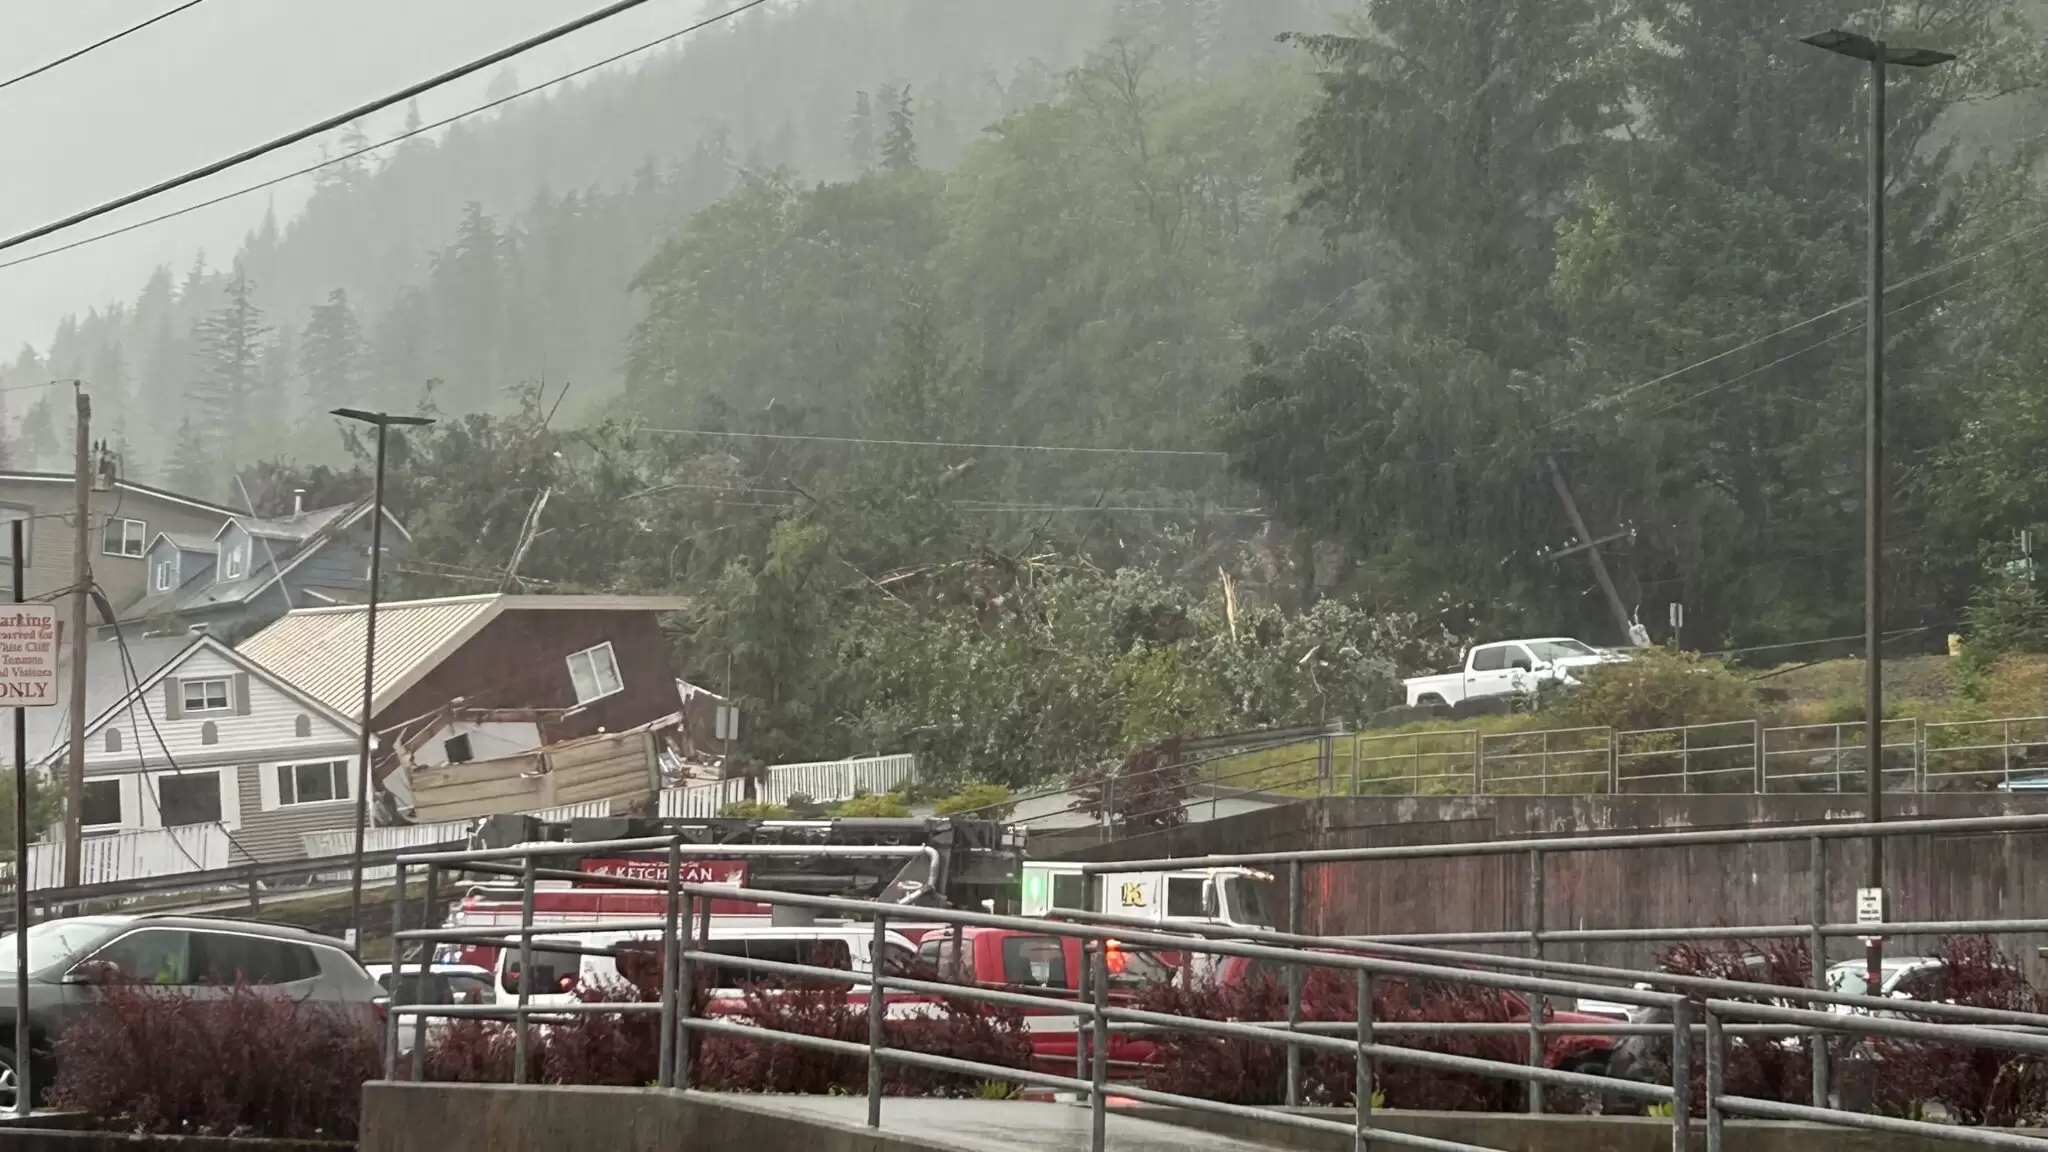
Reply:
x=268, y=731
x=487, y=741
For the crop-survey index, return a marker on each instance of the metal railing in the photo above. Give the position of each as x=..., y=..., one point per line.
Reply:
x=1546, y=762
x=1689, y=759
x=1984, y=754
x=1416, y=763
x=1832, y=757
x=829, y=781
x=1698, y=1006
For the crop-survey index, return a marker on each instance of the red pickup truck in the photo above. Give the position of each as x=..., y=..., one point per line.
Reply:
x=1050, y=966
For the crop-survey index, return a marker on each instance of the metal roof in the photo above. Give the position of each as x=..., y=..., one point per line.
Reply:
x=321, y=649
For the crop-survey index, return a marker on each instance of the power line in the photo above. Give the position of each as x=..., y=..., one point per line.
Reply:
x=336, y=121
x=1107, y=451
x=386, y=143
x=98, y=44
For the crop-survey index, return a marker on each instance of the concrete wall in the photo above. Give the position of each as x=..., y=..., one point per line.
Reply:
x=501, y=1118
x=1928, y=877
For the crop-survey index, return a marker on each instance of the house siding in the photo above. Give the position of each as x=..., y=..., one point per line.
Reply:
x=50, y=549
x=519, y=660
x=280, y=833
x=251, y=741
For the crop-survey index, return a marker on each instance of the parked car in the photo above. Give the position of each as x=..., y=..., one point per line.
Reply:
x=70, y=960
x=1509, y=667
x=441, y=984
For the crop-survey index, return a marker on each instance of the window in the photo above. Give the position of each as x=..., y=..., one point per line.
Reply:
x=207, y=695
x=1519, y=658
x=814, y=953
x=1184, y=896
x=102, y=806
x=595, y=673
x=1490, y=659
x=209, y=733
x=124, y=538
x=223, y=958
x=457, y=750
x=1560, y=649
x=553, y=972
x=153, y=956
x=312, y=783
x=189, y=798
x=166, y=576
x=113, y=739
x=1246, y=902
x=1036, y=961
x=302, y=727
x=1068, y=891
x=234, y=562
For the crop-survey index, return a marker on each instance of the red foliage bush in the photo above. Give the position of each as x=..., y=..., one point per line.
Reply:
x=1991, y=1086
x=1248, y=1072
x=229, y=1064
x=1759, y=1067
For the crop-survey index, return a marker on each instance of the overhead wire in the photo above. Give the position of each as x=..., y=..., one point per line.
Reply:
x=381, y=144
x=96, y=45
x=342, y=119
x=988, y=447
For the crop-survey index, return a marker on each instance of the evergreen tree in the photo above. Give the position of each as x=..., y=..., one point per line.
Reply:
x=331, y=352
x=231, y=355
x=860, y=134
x=192, y=469
x=899, y=140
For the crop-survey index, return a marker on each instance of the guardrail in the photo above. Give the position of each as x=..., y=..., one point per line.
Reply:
x=1690, y=759
x=829, y=781
x=1697, y=1006
x=1546, y=762
x=1979, y=754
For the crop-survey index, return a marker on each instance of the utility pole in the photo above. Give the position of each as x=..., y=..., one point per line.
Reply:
x=1571, y=509
x=81, y=576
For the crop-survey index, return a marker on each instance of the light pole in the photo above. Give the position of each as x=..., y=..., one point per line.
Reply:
x=383, y=422
x=1878, y=54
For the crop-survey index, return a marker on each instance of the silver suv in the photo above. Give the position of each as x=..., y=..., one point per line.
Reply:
x=196, y=956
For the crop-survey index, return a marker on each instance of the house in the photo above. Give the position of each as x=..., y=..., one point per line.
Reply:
x=126, y=517
x=185, y=731
x=571, y=666
x=248, y=571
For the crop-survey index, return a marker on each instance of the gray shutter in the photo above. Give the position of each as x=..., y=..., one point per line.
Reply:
x=174, y=698
x=241, y=693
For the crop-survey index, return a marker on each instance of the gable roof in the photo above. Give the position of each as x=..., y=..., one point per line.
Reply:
x=278, y=546
x=120, y=485
x=183, y=542
x=321, y=649
x=107, y=681
x=190, y=648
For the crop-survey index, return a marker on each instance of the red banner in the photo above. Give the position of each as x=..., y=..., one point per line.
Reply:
x=655, y=868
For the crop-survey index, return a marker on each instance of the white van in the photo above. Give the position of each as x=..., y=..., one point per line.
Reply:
x=558, y=974
x=1220, y=896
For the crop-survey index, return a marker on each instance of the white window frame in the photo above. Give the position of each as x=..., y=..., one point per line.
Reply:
x=138, y=540
x=589, y=656
x=165, y=576
x=150, y=799
x=121, y=790
x=342, y=769
x=227, y=688
x=232, y=563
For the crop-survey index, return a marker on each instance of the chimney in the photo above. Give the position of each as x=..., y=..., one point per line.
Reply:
x=298, y=501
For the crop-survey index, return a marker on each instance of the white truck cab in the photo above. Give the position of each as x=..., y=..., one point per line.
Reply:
x=1507, y=667
x=1232, y=896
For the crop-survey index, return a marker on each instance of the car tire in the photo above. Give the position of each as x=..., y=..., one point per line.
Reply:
x=10, y=1080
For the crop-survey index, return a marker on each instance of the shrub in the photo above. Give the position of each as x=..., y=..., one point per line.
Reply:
x=1990, y=1086
x=1148, y=793
x=991, y=801
x=1657, y=688
x=159, y=1062
x=1763, y=1068
x=889, y=805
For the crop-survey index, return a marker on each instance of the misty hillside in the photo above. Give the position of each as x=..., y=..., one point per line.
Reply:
x=502, y=251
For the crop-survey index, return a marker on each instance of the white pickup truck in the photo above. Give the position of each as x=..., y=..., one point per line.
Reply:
x=1508, y=666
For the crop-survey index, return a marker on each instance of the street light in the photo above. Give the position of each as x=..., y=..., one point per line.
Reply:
x=1879, y=54
x=383, y=421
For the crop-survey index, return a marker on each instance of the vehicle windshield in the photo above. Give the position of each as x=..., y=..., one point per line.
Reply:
x=1244, y=901
x=55, y=942
x=1559, y=649
x=1137, y=970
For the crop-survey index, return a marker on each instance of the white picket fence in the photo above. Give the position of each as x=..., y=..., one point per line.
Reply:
x=342, y=841
x=702, y=801
x=830, y=781
x=132, y=855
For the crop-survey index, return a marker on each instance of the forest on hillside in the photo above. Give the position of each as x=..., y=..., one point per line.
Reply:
x=1029, y=382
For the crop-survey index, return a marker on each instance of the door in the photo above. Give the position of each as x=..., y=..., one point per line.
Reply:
x=1489, y=674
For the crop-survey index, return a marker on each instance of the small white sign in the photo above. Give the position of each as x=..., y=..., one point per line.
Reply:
x=28, y=655
x=727, y=724
x=1870, y=905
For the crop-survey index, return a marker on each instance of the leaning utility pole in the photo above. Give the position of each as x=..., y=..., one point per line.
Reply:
x=1592, y=546
x=81, y=576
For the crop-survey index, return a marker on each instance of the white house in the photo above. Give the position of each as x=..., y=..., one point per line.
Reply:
x=188, y=731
